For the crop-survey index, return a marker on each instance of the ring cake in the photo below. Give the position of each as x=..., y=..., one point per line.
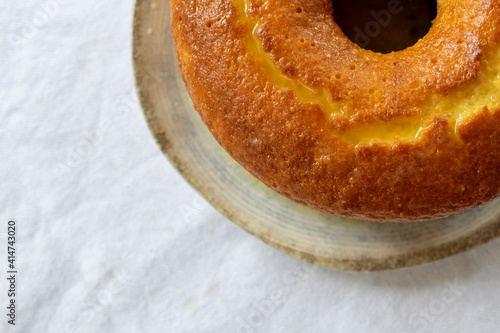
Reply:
x=404, y=136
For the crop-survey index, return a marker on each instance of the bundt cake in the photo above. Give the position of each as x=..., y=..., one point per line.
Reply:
x=397, y=136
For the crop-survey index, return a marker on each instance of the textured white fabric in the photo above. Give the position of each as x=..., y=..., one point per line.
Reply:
x=111, y=239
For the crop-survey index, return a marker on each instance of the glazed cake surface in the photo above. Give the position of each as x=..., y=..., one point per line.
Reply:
x=404, y=136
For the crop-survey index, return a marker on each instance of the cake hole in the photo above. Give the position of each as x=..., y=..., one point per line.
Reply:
x=384, y=25
x=313, y=44
x=302, y=40
x=338, y=76
x=415, y=33
x=352, y=67
x=299, y=10
x=180, y=19
x=209, y=24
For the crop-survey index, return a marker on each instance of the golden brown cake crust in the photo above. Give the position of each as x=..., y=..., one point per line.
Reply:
x=301, y=149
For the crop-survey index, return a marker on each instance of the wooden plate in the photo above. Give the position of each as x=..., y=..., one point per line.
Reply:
x=301, y=232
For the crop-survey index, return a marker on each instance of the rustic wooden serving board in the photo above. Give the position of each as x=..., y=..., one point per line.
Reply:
x=301, y=232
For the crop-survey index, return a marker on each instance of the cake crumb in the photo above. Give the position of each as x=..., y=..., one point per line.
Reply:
x=149, y=31
x=154, y=5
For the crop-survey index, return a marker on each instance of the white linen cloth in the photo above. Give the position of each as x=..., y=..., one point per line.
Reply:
x=111, y=239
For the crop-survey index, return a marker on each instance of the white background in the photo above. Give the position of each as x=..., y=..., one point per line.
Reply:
x=111, y=239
